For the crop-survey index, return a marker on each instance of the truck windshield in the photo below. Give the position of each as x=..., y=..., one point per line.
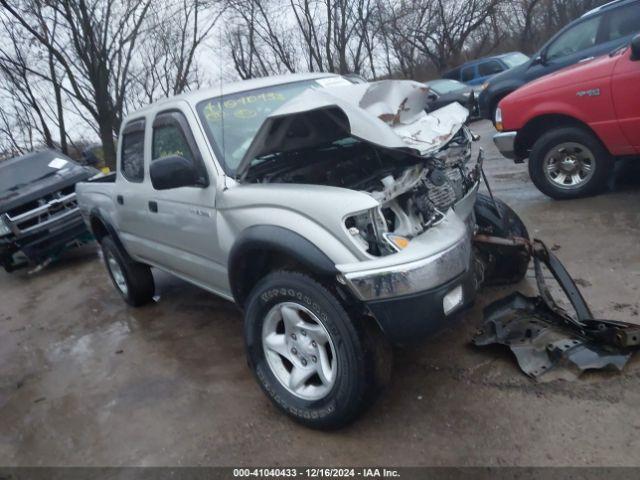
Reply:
x=442, y=87
x=231, y=121
x=514, y=59
x=27, y=169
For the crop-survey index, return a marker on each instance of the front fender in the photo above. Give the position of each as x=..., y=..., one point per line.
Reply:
x=276, y=240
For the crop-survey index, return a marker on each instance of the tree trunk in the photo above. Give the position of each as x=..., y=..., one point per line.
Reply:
x=108, y=142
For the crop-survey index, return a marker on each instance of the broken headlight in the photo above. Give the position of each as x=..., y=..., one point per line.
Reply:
x=370, y=231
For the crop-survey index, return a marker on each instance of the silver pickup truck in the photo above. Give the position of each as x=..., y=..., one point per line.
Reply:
x=339, y=217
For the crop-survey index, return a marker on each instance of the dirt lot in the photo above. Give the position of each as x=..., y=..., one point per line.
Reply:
x=84, y=380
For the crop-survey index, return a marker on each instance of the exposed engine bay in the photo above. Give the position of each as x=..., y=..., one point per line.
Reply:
x=414, y=192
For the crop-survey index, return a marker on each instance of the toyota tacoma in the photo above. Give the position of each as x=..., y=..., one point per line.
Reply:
x=338, y=216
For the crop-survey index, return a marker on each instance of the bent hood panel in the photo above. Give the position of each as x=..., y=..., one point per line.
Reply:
x=388, y=113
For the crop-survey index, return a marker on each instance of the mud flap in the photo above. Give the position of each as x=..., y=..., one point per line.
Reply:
x=547, y=341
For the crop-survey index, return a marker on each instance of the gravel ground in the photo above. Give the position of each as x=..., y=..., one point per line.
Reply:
x=85, y=380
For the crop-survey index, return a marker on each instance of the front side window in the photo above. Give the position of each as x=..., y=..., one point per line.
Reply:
x=232, y=121
x=172, y=136
x=132, y=154
x=623, y=21
x=489, y=68
x=169, y=140
x=580, y=37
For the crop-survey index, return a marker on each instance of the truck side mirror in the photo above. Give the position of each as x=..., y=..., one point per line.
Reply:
x=635, y=47
x=538, y=59
x=173, y=172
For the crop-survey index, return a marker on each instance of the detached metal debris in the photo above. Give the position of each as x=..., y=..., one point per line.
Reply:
x=547, y=341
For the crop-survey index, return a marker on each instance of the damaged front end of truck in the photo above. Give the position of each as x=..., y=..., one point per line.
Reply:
x=377, y=138
x=374, y=138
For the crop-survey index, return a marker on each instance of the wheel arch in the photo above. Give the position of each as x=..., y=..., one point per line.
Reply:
x=101, y=227
x=262, y=248
x=537, y=126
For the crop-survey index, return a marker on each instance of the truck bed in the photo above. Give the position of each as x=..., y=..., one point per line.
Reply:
x=97, y=194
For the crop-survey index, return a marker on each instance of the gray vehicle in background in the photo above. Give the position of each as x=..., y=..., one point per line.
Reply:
x=39, y=216
x=338, y=216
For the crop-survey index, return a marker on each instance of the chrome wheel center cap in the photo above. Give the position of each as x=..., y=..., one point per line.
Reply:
x=569, y=164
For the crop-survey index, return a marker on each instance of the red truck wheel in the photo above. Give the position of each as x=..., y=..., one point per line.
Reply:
x=569, y=163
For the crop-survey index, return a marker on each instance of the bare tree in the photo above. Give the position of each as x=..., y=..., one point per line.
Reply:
x=168, y=54
x=259, y=38
x=337, y=35
x=20, y=86
x=94, y=46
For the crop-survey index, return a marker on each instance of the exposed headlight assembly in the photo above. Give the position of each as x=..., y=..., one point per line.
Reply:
x=369, y=230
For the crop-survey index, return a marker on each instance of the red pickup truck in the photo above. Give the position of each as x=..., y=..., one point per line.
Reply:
x=573, y=124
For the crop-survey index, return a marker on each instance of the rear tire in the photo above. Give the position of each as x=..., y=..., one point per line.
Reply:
x=133, y=280
x=296, y=328
x=569, y=163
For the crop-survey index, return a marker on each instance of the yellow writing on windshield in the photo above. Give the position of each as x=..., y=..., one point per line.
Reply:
x=215, y=109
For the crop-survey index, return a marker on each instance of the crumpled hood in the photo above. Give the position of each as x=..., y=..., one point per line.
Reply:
x=389, y=113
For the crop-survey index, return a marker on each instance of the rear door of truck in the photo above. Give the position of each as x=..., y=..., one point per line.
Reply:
x=131, y=190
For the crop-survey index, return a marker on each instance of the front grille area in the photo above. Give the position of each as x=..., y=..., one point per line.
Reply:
x=441, y=196
x=43, y=213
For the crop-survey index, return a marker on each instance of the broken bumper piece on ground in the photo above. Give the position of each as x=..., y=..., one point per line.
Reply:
x=547, y=341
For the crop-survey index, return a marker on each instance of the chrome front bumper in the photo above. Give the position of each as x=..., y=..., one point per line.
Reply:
x=506, y=144
x=414, y=277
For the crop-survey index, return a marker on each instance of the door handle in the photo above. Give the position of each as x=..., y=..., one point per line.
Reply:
x=120, y=199
x=153, y=206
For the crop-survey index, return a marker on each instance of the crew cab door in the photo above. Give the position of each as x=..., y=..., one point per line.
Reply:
x=182, y=221
x=131, y=190
x=626, y=97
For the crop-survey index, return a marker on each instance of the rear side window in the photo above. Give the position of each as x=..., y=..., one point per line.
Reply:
x=132, y=154
x=468, y=74
x=489, y=68
x=623, y=21
x=580, y=37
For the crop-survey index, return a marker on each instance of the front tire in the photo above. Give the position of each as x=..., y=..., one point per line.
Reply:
x=569, y=163
x=503, y=265
x=133, y=280
x=307, y=354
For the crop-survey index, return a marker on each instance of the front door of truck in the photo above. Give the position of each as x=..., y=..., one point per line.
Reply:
x=182, y=221
x=626, y=97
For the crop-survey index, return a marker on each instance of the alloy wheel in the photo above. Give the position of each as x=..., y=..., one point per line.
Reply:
x=569, y=165
x=299, y=351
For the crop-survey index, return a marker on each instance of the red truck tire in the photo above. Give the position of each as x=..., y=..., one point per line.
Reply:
x=569, y=162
